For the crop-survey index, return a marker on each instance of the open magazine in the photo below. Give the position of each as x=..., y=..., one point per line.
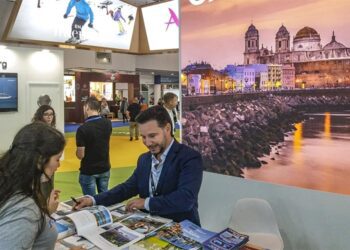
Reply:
x=94, y=224
x=117, y=236
x=144, y=223
x=75, y=240
x=118, y=212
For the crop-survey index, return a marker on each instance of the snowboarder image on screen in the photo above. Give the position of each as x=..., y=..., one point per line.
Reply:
x=117, y=16
x=130, y=18
x=39, y=3
x=83, y=13
x=104, y=5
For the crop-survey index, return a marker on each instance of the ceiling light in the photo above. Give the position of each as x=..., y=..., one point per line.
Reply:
x=65, y=46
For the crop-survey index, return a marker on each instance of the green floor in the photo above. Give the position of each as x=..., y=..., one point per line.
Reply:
x=68, y=182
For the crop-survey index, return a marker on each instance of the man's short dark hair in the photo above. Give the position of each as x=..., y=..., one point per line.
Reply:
x=93, y=103
x=168, y=97
x=155, y=113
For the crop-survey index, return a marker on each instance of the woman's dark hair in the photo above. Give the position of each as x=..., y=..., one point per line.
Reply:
x=39, y=114
x=22, y=166
x=156, y=113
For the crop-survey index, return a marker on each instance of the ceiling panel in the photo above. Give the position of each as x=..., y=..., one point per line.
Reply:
x=140, y=3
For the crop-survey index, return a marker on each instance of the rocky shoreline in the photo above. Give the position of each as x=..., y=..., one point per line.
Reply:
x=231, y=136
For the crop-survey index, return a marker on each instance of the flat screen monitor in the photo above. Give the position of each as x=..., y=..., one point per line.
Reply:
x=100, y=23
x=8, y=92
x=162, y=25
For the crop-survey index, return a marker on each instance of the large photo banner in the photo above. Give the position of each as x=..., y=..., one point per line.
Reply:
x=100, y=23
x=266, y=89
x=162, y=25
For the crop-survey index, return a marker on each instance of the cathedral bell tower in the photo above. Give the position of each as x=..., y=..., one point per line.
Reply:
x=282, y=40
x=251, y=51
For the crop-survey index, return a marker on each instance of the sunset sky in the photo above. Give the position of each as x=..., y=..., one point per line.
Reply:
x=214, y=31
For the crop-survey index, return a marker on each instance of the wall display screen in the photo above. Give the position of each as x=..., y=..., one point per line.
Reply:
x=102, y=89
x=101, y=23
x=8, y=92
x=69, y=88
x=162, y=25
x=272, y=103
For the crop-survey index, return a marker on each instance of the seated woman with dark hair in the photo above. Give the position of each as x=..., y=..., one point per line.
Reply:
x=46, y=114
x=25, y=221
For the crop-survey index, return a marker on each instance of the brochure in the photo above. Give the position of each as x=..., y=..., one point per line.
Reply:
x=153, y=243
x=226, y=240
x=118, y=212
x=145, y=223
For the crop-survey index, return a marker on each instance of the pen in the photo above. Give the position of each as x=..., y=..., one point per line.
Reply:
x=75, y=200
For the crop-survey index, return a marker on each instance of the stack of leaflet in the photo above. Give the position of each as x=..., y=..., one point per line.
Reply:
x=188, y=236
x=114, y=228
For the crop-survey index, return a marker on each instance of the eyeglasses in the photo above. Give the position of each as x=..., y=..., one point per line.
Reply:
x=48, y=115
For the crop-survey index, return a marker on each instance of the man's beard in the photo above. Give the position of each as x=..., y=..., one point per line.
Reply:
x=161, y=146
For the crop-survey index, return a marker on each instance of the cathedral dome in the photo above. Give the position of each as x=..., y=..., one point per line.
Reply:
x=307, y=32
x=334, y=44
x=252, y=31
x=282, y=32
x=307, y=39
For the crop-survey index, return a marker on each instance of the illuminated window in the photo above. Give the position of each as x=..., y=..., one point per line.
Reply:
x=69, y=88
x=102, y=89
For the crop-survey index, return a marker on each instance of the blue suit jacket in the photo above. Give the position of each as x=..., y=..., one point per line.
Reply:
x=177, y=189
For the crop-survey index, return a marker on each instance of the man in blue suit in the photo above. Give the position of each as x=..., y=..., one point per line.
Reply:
x=167, y=178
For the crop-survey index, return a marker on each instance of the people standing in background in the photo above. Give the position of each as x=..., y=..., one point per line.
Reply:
x=151, y=101
x=46, y=114
x=123, y=108
x=104, y=108
x=25, y=211
x=160, y=101
x=92, y=139
x=170, y=102
x=133, y=110
x=141, y=99
x=83, y=13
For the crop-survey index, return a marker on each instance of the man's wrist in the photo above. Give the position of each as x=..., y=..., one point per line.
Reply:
x=146, y=205
x=92, y=198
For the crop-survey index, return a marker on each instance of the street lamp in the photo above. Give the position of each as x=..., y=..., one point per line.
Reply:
x=246, y=82
x=221, y=85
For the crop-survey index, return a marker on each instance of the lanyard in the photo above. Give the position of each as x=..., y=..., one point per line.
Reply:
x=153, y=186
x=93, y=118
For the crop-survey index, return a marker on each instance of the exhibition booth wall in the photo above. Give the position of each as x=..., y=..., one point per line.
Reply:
x=39, y=72
x=74, y=58
x=307, y=219
x=107, y=85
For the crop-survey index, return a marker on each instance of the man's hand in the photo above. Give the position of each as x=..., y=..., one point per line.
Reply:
x=135, y=204
x=90, y=25
x=65, y=16
x=83, y=202
x=53, y=201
